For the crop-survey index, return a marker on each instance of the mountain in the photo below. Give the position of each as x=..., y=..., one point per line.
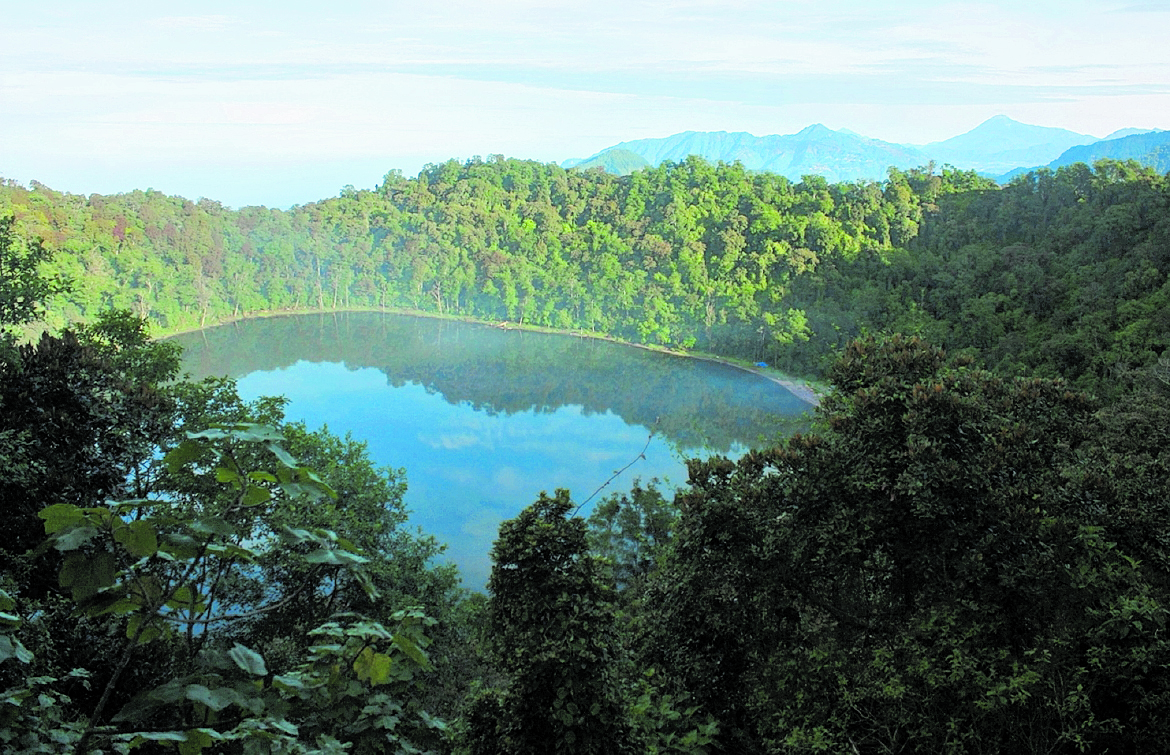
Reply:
x=1120, y=133
x=997, y=147
x=1000, y=144
x=1150, y=148
x=836, y=155
x=621, y=162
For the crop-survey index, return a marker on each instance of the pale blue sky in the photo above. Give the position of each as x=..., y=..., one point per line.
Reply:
x=284, y=103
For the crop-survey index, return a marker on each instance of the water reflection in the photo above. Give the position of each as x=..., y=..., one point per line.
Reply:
x=483, y=419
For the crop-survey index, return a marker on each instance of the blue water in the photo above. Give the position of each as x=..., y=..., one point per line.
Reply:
x=483, y=420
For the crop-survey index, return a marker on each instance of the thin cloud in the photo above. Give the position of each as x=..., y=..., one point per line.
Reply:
x=1145, y=8
x=201, y=23
x=543, y=79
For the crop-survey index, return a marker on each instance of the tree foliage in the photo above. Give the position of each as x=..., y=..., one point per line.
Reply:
x=200, y=588
x=553, y=637
x=936, y=570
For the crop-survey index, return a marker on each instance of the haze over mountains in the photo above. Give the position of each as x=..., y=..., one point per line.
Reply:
x=999, y=147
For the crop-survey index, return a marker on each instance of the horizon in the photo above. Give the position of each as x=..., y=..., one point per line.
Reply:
x=276, y=105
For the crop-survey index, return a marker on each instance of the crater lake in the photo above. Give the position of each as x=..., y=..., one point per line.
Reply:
x=484, y=418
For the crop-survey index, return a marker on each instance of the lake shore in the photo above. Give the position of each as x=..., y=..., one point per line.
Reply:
x=807, y=391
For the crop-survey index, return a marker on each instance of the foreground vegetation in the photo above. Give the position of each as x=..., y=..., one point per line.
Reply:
x=955, y=559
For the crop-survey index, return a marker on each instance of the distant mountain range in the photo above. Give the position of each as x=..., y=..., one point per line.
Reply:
x=999, y=147
x=1150, y=148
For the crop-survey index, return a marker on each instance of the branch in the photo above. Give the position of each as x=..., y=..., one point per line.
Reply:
x=615, y=475
x=237, y=616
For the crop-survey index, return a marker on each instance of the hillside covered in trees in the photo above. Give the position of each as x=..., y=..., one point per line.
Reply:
x=1059, y=273
x=967, y=553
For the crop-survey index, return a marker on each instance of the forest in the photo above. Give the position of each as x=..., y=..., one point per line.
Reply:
x=967, y=552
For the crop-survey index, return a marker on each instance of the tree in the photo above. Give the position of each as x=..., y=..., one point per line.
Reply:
x=631, y=532
x=552, y=635
x=23, y=289
x=74, y=424
x=164, y=577
x=936, y=571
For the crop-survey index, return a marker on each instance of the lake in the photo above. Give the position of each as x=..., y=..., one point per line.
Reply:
x=484, y=418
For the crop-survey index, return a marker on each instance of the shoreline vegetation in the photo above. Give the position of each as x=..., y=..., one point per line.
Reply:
x=1059, y=273
x=807, y=391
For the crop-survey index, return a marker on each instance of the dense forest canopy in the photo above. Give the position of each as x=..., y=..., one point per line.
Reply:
x=1059, y=272
x=967, y=554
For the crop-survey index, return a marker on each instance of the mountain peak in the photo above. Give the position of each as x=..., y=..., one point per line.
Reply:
x=996, y=146
x=816, y=129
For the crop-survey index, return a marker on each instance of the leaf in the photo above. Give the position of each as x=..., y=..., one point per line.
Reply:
x=335, y=558
x=249, y=660
x=59, y=516
x=285, y=457
x=223, y=474
x=256, y=495
x=10, y=647
x=232, y=551
x=293, y=536
x=157, y=736
x=183, y=454
x=255, y=432
x=288, y=681
x=216, y=699
x=139, y=538
x=372, y=667
x=107, y=600
x=250, y=696
x=135, y=629
x=141, y=706
x=181, y=596
x=197, y=740
x=213, y=525
x=285, y=726
x=72, y=539
x=432, y=722
x=211, y=433
x=87, y=574
x=179, y=545
x=412, y=650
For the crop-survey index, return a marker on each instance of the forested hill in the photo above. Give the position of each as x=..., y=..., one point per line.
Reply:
x=1059, y=272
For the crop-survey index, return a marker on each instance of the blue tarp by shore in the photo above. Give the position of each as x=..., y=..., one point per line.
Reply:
x=761, y=364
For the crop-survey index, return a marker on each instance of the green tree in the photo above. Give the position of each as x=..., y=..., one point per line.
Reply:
x=935, y=571
x=631, y=532
x=167, y=578
x=23, y=289
x=552, y=635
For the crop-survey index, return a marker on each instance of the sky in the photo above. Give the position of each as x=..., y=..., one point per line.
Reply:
x=283, y=103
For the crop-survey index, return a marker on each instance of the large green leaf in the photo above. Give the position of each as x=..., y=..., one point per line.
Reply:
x=335, y=558
x=372, y=667
x=213, y=525
x=59, y=516
x=72, y=539
x=256, y=496
x=138, y=537
x=86, y=574
x=197, y=741
x=285, y=457
x=215, y=699
x=10, y=647
x=412, y=650
x=183, y=454
x=249, y=660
